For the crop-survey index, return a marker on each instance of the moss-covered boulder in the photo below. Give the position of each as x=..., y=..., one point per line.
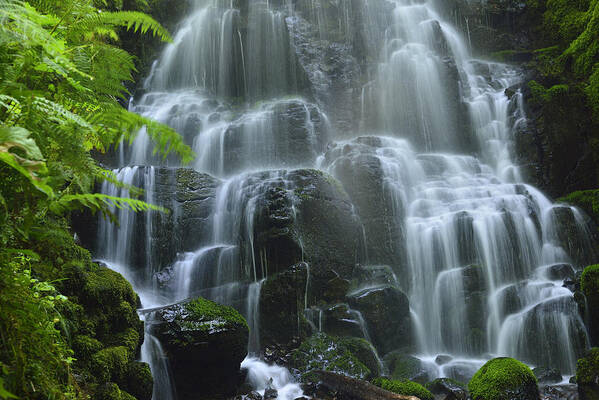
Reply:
x=386, y=310
x=139, y=381
x=347, y=356
x=587, y=375
x=111, y=391
x=504, y=379
x=589, y=285
x=205, y=343
x=402, y=366
x=106, y=332
x=404, y=387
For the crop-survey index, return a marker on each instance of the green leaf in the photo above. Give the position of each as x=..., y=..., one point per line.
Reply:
x=30, y=163
x=101, y=202
x=5, y=394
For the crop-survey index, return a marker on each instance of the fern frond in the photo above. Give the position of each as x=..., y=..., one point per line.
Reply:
x=166, y=139
x=110, y=177
x=130, y=20
x=101, y=202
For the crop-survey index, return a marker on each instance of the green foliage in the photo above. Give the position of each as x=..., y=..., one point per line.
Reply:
x=588, y=200
x=587, y=369
x=62, y=74
x=34, y=357
x=110, y=364
x=589, y=282
x=573, y=25
x=500, y=379
x=404, y=387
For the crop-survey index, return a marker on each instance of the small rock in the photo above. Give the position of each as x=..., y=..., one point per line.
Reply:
x=443, y=359
x=254, y=396
x=547, y=375
x=270, y=393
x=448, y=388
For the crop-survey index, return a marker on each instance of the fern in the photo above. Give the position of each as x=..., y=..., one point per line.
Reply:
x=131, y=20
x=101, y=202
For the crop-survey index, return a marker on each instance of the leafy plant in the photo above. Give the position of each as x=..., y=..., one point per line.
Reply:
x=62, y=82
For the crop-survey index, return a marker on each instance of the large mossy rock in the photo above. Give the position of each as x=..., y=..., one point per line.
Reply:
x=386, y=310
x=353, y=357
x=205, y=344
x=587, y=375
x=106, y=332
x=589, y=284
x=504, y=379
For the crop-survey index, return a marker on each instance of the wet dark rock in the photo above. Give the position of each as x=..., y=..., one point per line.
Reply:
x=358, y=168
x=270, y=393
x=475, y=296
x=547, y=375
x=349, y=356
x=331, y=68
x=559, y=392
x=386, y=310
x=560, y=272
x=373, y=275
x=203, y=330
x=298, y=130
x=571, y=236
x=556, y=162
x=540, y=349
x=340, y=320
x=254, y=396
x=192, y=194
x=403, y=366
x=448, y=388
x=443, y=359
x=305, y=215
x=282, y=301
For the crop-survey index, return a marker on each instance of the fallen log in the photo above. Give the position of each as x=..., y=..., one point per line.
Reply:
x=358, y=389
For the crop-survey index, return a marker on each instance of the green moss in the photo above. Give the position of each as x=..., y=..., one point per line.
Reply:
x=588, y=200
x=105, y=287
x=85, y=346
x=404, y=387
x=589, y=282
x=111, y=391
x=402, y=366
x=587, y=368
x=129, y=339
x=208, y=313
x=110, y=364
x=499, y=378
x=327, y=353
x=139, y=381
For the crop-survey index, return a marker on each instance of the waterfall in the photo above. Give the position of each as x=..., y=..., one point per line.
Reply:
x=460, y=232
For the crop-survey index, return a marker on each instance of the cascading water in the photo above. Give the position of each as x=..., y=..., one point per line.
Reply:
x=471, y=245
